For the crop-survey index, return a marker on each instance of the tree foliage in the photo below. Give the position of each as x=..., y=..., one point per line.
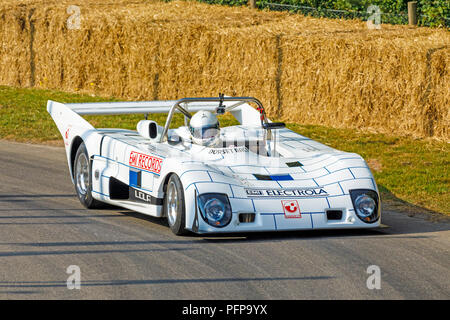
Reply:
x=434, y=13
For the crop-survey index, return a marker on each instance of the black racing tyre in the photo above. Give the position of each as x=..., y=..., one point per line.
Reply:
x=174, y=206
x=83, y=178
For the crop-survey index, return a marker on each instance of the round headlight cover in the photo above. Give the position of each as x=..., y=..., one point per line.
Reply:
x=365, y=203
x=215, y=209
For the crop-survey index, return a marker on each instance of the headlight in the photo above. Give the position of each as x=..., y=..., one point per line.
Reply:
x=215, y=209
x=366, y=205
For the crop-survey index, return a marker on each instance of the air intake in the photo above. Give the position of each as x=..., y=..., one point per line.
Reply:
x=334, y=214
x=246, y=217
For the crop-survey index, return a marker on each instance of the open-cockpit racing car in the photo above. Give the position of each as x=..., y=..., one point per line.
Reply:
x=255, y=176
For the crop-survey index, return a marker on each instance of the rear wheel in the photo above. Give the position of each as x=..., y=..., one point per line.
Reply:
x=83, y=178
x=174, y=207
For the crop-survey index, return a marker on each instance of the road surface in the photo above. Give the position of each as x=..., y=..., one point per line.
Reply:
x=125, y=255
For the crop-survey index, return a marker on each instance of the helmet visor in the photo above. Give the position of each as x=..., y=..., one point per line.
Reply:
x=206, y=132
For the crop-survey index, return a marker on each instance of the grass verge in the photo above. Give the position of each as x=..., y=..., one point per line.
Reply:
x=412, y=174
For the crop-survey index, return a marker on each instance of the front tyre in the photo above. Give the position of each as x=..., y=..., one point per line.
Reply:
x=174, y=207
x=83, y=179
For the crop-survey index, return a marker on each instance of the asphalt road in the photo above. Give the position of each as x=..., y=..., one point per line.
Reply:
x=124, y=255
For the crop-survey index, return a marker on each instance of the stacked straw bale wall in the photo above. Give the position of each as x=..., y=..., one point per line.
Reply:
x=312, y=71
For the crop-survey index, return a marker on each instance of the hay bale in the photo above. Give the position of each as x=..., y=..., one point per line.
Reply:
x=15, y=44
x=315, y=71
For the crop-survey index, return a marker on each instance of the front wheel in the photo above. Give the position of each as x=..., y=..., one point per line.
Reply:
x=83, y=179
x=174, y=207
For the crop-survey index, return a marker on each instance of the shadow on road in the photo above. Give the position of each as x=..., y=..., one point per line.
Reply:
x=2, y=196
x=97, y=283
x=397, y=224
x=73, y=252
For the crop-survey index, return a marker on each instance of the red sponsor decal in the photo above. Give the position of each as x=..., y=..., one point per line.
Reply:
x=291, y=209
x=66, y=136
x=146, y=162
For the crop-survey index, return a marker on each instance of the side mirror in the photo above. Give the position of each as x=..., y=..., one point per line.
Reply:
x=174, y=139
x=152, y=130
x=274, y=125
x=149, y=129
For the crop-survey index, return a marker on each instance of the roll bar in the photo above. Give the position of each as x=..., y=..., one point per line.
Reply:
x=185, y=102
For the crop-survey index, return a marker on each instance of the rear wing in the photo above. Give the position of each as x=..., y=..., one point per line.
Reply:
x=70, y=113
x=135, y=107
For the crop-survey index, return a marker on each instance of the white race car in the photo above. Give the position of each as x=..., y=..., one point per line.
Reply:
x=258, y=176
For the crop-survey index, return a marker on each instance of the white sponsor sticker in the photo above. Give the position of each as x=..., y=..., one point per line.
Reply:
x=287, y=193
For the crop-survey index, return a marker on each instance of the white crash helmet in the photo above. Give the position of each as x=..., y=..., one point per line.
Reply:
x=204, y=128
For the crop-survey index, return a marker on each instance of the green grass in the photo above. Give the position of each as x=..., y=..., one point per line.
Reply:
x=412, y=174
x=24, y=117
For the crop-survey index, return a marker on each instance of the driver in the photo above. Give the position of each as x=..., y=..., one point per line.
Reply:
x=204, y=128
